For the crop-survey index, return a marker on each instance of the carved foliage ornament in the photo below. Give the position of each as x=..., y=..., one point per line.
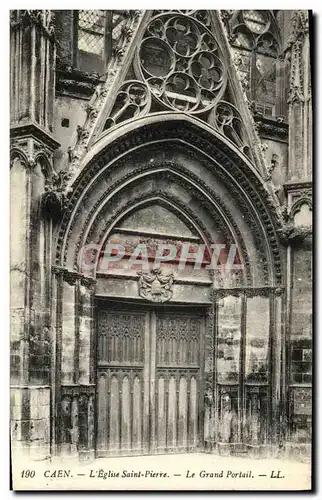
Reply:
x=180, y=60
x=156, y=286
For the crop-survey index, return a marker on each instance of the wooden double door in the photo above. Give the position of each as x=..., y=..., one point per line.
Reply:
x=149, y=379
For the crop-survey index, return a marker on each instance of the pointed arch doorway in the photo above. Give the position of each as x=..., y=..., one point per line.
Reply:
x=150, y=353
x=178, y=184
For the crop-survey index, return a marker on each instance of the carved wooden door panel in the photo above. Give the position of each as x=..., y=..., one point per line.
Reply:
x=148, y=382
x=122, y=378
x=176, y=407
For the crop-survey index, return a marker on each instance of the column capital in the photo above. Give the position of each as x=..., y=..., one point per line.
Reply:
x=71, y=277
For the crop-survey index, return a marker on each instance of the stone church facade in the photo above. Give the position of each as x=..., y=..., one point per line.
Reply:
x=161, y=128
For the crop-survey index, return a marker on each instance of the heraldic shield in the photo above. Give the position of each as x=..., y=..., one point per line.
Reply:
x=156, y=286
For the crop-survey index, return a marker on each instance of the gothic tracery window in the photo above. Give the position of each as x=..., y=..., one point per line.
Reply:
x=255, y=38
x=181, y=62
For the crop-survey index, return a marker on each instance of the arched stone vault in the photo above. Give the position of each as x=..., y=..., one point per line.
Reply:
x=199, y=161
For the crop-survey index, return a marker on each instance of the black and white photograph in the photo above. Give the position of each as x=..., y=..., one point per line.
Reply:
x=161, y=249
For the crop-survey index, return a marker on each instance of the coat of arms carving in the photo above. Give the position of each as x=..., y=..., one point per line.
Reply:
x=156, y=286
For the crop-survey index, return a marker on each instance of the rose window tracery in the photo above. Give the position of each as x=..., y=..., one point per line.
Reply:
x=181, y=62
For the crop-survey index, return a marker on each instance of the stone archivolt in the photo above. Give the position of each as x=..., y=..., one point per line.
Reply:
x=187, y=134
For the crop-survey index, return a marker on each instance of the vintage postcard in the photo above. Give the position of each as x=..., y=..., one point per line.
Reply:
x=161, y=247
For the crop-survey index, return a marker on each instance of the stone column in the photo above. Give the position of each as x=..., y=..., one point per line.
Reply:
x=86, y=335
x=30, y=326
x=32, y=81
x=19, y=299
x=300, y=99
x=297, y=238
x=74, y=364
x=209, y=375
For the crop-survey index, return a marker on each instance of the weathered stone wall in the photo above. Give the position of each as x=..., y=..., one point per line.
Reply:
x=69, y=114
x=30, y=421
x=64, y=30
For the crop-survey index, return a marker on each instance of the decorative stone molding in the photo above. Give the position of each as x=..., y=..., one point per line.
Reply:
x=54, y=199
x=71, y=277
x=242, y=76
x=265, y=291
x=290, y=234
x=75, y=83
x=296, y=95
x=304, y=199
x=31, y=152
x=253, y=30
x=165, y=197
x=240, y=91
x=78, y=390
x=227, y=120
x=88, y=282
x=279, y=291
x=300, y=27
x=52, y=204
x=194, y=76
x=169, y=174
x=298, y=193
x=202, y=16
x=272, y=166
x=272, y=129
x=19, y=153
x=294, y=51
x=304, y=187
x=133, y=99
x=19, y=134
x=197, y=24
